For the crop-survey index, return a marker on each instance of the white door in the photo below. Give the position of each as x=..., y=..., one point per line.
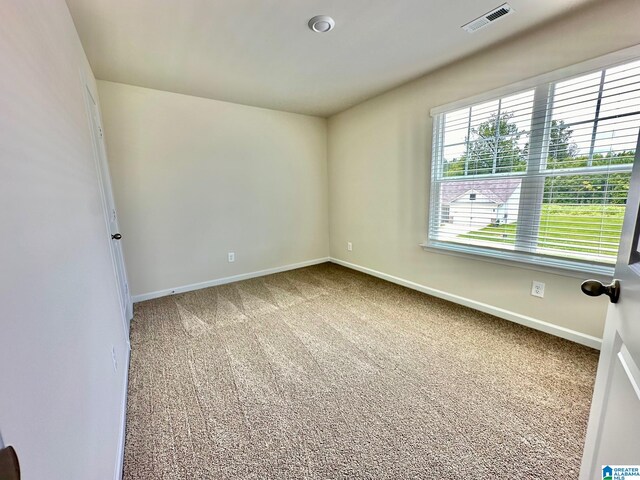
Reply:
x=110, y=211
x=613, y=435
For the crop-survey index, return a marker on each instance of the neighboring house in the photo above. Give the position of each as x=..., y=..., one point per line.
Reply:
x=480, y=202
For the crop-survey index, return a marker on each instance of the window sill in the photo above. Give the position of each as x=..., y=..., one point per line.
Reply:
x=573, y=269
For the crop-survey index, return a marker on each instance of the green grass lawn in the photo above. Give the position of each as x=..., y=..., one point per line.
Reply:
x=589, y=228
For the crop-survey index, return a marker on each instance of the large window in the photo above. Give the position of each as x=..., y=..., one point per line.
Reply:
x=540, y=175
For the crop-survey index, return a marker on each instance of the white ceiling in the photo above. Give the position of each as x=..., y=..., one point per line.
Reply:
x=261, y=52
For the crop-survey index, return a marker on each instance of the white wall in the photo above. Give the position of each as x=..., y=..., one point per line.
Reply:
x=379, y=155
x=196, y=178
x=60, y=399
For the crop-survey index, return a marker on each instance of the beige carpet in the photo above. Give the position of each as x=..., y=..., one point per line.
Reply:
x=326, y=373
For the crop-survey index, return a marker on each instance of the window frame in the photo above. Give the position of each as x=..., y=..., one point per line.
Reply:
x=542, y=86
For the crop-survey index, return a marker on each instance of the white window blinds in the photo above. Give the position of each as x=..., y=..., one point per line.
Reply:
x=539, y=176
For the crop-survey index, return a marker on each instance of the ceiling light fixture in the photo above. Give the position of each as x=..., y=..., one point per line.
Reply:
x=321, y=23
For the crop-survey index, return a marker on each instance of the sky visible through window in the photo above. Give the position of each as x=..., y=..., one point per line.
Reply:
x=575, y=102
x=550, y=181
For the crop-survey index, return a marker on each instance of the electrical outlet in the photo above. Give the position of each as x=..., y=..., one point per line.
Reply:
x=349, y=246
x=537, y=289
x=114, y=358
x=232, y=257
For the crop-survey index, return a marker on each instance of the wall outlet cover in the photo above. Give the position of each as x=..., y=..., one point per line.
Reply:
x=537, y=289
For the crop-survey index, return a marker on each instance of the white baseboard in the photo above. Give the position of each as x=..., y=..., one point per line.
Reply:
x=123, y=424
x=222, y=281
x=531, y=322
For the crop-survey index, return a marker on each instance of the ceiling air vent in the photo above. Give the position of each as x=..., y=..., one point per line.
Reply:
x=487, y=18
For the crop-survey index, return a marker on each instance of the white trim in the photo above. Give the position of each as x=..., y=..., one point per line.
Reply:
x=222, y=281
x=123, y=424
x=532, y=180
x=530, y=322
x=608, y=60
x=575, y=269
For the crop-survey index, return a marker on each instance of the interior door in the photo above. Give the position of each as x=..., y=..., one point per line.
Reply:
x=613, y=435
x=111, y=215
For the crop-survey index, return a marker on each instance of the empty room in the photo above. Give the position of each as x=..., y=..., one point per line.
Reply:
x=362, y=239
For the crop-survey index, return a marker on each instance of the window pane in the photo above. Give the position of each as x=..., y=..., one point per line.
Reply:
x=607, y=134
x=481, y=156
x=582, y=215
x=483, y=118
x=512, y=153
x=621, y=93
x=454, y=160
x=569, y=145
x=622, y=72
x=575, y=100
x=555, y=201
x=520, y=107
x=456, y=126
x=614, y=140
x=479, y=212
x=488, y=138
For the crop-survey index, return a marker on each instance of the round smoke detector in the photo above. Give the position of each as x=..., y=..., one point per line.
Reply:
x=321, y=23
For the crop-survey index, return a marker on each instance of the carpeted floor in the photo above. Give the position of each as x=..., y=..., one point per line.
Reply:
x=327, y=373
